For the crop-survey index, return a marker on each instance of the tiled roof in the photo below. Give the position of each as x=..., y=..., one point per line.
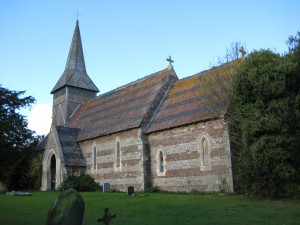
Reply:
x=75, y=78
x=123, y=108
x=75, y=72
x=70, y=148
x=42, y=144
x=193, y=99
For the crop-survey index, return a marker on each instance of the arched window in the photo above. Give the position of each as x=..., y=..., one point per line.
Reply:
x=53, y=172
x=205, y=152
x=118, y=155
x=161, y=162
x=94, y=158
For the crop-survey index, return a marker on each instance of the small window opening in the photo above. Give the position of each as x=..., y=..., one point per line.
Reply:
x=161, y=162
x=94, y=158
x=205, y=152
x=118, y=155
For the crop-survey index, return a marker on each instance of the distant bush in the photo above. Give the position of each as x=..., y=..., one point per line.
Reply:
x=81, y=183
x=154, y=189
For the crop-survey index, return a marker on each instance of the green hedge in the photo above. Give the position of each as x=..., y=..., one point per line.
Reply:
x=81, y=183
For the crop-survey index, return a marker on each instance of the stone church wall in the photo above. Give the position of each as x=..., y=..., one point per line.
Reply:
x=104, y=168
x=53, y=149
x=184, y=166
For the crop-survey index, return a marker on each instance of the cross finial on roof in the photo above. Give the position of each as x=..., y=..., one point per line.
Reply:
x=77, y=14
x=170, y=61
x=242, y=51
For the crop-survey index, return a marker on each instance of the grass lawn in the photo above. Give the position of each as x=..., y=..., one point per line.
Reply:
x=154, y=209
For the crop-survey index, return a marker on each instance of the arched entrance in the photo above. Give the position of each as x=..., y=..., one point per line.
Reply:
x=53, y=172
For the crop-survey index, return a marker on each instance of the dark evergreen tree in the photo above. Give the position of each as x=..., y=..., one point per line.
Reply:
x=265, y=102
x=14, y=132
x=16, y=140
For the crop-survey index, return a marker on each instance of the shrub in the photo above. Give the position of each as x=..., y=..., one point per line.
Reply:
x=154, y=189
x=81, y=183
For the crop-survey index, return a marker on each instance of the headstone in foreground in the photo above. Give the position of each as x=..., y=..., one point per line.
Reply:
x=106, y=187
x=68, y=209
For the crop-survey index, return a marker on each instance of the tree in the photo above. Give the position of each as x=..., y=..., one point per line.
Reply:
x=217, y=84
x=264, y=98
x=16, y=140
x=34, y=173
x=236, y=51
x=14, y=132
x=259, y=96
x=294, y=53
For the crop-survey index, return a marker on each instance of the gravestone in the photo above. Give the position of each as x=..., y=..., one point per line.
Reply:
x=106, y=218
x=67, y=209
x=106, y=187
x=130, y=190
x=3, y=188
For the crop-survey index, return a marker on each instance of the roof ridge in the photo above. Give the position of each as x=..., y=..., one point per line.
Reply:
x=132, y=83
x=160, y=104
x=203, y=72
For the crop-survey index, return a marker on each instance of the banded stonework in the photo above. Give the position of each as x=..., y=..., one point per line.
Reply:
x=106, y=170
x=183, y=160
x=156, y=131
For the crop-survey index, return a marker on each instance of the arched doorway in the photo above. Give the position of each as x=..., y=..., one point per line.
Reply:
x=53, y=172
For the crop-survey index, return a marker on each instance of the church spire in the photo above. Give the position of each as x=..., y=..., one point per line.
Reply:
x=75, y=58
x=74, y=87
x=75, y=72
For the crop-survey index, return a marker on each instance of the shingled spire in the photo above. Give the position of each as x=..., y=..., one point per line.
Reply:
x=76, y=59
x=75, y=72
x=74, y=87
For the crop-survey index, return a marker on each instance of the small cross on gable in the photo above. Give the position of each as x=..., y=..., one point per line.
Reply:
x=170, y=61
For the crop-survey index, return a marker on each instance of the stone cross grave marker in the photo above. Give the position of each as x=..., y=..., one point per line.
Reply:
x=106, y=218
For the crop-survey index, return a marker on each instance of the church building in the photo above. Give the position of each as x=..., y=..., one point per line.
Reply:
x=157, y=131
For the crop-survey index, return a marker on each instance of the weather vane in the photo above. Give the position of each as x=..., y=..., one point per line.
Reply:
x=77, y=14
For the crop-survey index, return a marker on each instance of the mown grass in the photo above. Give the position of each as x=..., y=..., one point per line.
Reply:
x=155, y=208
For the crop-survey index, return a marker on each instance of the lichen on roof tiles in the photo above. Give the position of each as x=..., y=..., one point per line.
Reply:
x=121, y=109
x=192, y=99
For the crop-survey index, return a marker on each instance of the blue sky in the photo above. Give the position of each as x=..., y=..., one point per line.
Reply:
x=127, y=40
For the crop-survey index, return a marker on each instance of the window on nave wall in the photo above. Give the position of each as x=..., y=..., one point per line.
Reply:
x=118, y=155
x=94, y=158
x=205, y=153
x=161, y=163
